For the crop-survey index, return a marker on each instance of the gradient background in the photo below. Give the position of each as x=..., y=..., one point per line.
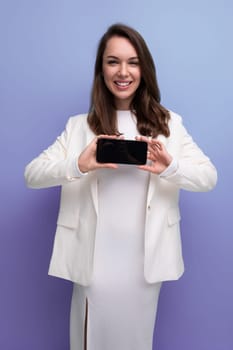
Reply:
x=47, y=55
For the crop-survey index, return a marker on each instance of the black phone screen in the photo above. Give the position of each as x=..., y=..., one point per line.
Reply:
x=121, y=151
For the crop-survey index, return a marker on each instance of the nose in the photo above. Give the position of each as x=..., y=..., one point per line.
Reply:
x=123, y=70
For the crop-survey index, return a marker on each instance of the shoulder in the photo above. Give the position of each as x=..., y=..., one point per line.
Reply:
x=176, y=121
x=176, y=126
x=78, y=121
x=175, y=117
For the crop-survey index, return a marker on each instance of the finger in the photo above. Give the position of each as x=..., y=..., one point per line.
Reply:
x=102, y=136
x=153, y=145
x=156, y=144
x=146, y=168
x=143, y=138
x=108, y=165
x=150, y=156
x=153, y=149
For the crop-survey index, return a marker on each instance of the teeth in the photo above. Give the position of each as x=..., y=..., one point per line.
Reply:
x=122, y=84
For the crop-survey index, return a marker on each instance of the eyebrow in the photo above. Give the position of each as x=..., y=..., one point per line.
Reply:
x=130, y=58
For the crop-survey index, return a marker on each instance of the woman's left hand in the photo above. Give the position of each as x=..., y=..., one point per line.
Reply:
x=157, y=154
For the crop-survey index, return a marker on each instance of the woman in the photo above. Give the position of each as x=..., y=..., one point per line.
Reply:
x=118, y=232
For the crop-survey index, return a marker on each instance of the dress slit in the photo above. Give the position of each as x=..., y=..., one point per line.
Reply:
x=85, y=325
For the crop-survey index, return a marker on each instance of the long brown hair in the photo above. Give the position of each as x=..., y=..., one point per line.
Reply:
x=152, y=117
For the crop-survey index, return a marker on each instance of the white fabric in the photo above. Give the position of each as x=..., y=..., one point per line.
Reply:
x=121, y=304
x=171, y=169
x=74, y=243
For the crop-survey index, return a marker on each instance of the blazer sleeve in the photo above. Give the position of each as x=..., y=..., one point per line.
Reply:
x=54, y=166
x=195, y=172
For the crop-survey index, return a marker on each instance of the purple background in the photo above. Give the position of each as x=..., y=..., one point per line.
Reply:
x=47, y=56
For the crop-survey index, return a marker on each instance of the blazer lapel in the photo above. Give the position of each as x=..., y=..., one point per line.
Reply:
x=93, y=178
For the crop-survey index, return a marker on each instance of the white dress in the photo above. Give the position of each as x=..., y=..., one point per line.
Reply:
x=117, y=311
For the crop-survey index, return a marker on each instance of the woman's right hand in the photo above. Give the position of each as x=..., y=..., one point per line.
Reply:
x=87, y=159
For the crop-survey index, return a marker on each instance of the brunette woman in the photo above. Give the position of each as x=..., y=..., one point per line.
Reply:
x=118, y=234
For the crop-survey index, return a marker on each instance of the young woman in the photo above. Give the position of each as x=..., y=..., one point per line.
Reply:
x=118, y=233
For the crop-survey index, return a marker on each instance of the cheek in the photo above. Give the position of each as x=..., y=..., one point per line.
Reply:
x=107, y=75
x=107, y=81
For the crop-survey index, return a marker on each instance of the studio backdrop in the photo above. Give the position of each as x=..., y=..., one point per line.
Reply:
x=47, y=56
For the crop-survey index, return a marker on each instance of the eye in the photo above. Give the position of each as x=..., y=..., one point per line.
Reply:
x=112, y=62
x=134, y=63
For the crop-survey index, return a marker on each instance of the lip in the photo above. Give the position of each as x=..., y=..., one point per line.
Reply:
x=122, y=84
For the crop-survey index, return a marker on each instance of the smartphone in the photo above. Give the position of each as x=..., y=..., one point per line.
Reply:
x=121, y=151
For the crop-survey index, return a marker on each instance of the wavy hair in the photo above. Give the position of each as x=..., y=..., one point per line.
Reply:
x=152, y=117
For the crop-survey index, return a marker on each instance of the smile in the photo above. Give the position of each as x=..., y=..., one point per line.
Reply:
x=122, y=83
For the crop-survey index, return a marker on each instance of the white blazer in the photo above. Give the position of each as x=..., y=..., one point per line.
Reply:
x=74, y=243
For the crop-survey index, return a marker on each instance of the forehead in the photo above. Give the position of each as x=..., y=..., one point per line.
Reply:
x=118, y=46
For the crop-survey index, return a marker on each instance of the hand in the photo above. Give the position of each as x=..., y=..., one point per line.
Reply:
x=157, y=153
x=87, y=159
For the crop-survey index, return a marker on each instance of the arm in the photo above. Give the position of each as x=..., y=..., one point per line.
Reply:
x=193, y=171
x=53, y=167
x=62, y=162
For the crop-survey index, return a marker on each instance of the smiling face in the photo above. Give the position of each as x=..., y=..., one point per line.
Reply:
x=121, y=70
